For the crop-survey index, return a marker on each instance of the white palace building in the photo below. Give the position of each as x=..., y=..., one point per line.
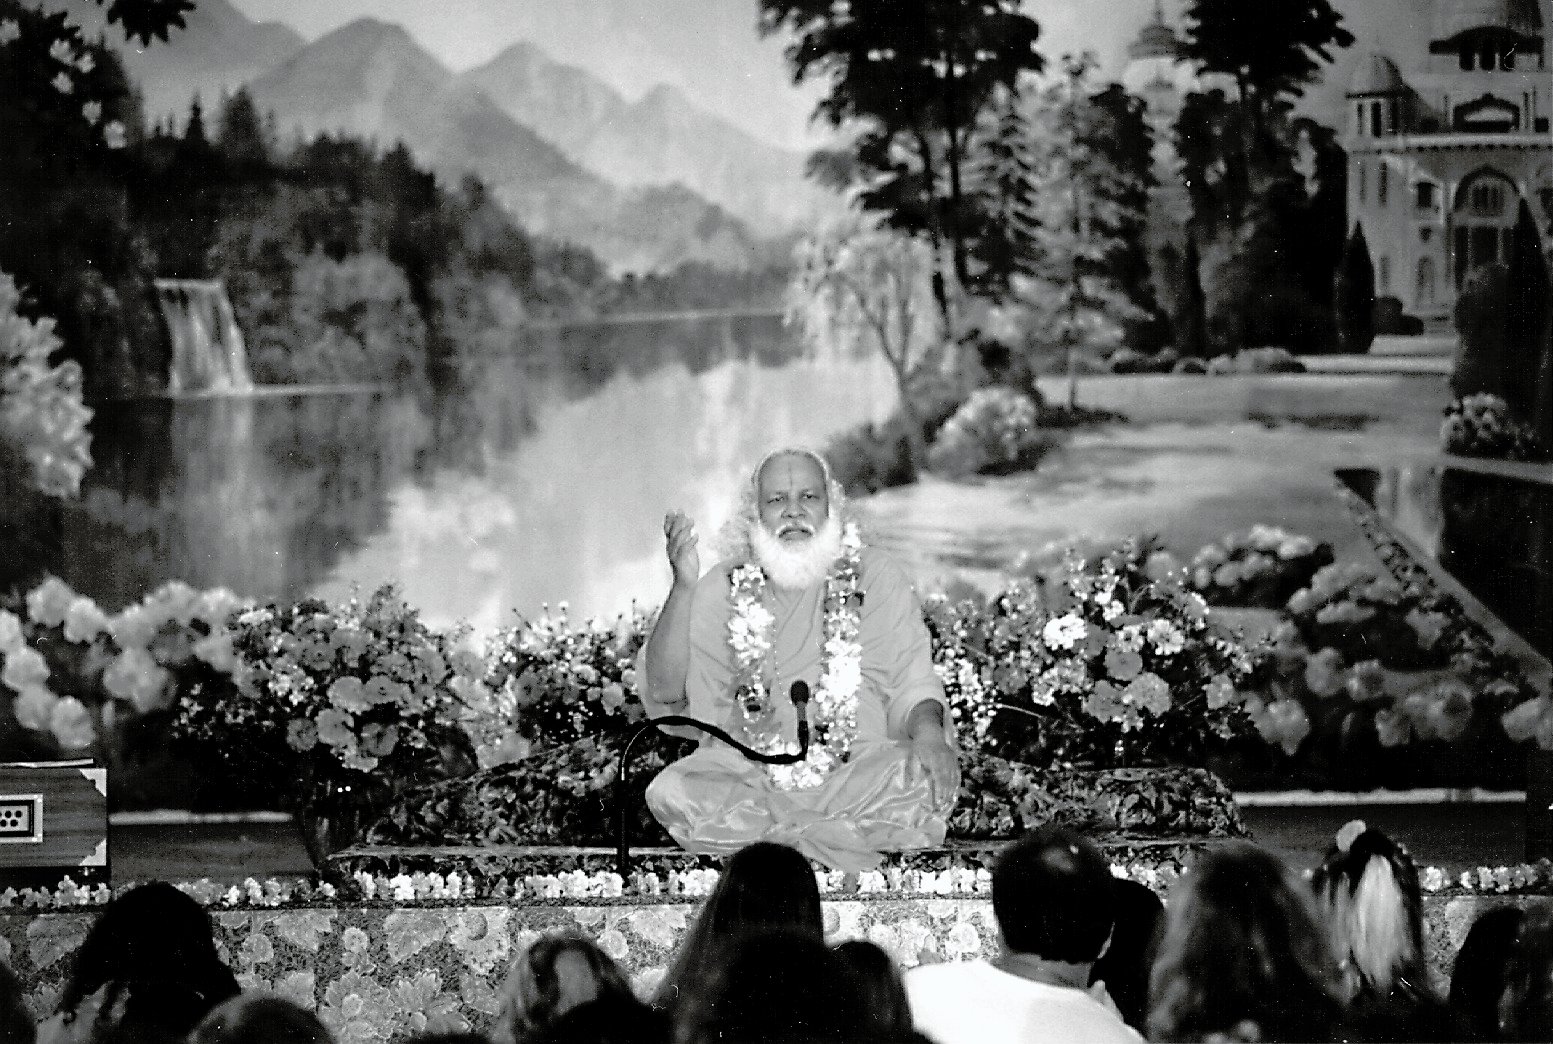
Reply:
x=1443, y=145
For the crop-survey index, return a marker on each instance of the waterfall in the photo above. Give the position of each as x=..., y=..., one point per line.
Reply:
x=208, y=350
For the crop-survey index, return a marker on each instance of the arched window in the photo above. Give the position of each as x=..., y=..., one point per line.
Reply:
x=1423, y=291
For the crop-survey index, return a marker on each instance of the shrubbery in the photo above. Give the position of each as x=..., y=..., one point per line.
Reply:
x=996, y=430
x=1481, y=426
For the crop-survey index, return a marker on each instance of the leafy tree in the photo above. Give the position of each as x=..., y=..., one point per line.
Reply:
x=1527, y=306
x=857, y=282
x=1271, y=50
x=1355, y=296
x=912, y=78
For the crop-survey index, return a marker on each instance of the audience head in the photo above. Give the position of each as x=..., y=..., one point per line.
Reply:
x=772, y=988
x=1526, y=1008
x=555, y=975
x=1478, y=977
x=1124, y=967
x=1368, y=886
x=763, y=887
x=258, y=1018
x=1051, y=892
x=152, y=948
x=609, y=1020
x=15, y=1020
x=1242, y=948
x=885, y=1008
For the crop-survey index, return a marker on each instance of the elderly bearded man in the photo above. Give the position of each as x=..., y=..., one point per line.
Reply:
x=800, y=600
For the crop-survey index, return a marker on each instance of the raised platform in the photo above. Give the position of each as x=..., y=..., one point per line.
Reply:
x=381, y=971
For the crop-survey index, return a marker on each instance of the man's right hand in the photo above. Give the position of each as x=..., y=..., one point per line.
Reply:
x=684, y=559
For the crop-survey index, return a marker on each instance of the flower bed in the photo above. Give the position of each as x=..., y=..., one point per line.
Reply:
x=1260, y=567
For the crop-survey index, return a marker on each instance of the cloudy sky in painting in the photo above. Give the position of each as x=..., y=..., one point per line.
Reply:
x=709, y=48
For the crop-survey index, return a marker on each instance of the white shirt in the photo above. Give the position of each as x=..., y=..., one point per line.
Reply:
x=971, y=1002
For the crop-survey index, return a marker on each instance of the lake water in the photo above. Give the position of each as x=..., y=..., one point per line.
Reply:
x=545, y=482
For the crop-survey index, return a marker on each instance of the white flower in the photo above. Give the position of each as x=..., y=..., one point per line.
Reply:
x=25, y=667
x=1064, y=632
x=403, y=888
x=92, y=111
x=71, y=724
x=85, y=64
x=62, y=83
x=1110, y=609
x=1166, y=637
x=48, y=602
x=34, y=707
x=135, y=677
x=114, y=135
x=10, y=31
x=62, y=52
x=1130, y=638
x=84, y=621
x=11, y=637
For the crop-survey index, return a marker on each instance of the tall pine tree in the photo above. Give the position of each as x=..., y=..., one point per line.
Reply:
x=1354, y=295
x=1526, y=310
x=1191, y=318
x=1002, y=178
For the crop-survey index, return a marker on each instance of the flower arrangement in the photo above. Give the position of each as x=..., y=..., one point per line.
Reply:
x=555, y=683
x=360, y=696
x=78, y=676
x=1109, y=663
x=1262, y=566
x=996, y=430
x=43, y=420
x=1482, y=426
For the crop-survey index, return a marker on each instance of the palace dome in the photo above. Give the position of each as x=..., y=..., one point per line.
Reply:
x=1155, y=40
x=1454, y=17
x=1376, y=74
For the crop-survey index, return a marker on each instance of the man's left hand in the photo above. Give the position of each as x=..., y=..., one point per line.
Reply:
x=939, y=763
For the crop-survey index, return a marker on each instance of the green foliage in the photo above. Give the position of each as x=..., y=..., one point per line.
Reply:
x=43, y=436
x=1354, y=292
x=1528, y=312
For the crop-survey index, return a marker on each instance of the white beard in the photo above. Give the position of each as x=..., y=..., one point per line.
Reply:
x=797, y=565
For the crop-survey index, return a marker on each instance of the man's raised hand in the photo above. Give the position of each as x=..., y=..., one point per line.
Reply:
x=684, y=559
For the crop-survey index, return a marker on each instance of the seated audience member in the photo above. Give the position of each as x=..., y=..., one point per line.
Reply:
x=259, y=1018
x=1526, y=1009
x=1124, y=967
x=1368, y=889
x=885, y=1008
x=610, y=1020
x=1478, y=976
x=15, y=1020
x=1243, y=955
x=555, y=975
x=148, y=960
x=772, y=988
x=1051, y=894
x=763, y=887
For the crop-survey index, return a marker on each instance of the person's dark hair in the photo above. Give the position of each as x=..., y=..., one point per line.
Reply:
x=259, y=1018
x=1051, y=892
x=886, y=1010
x=1124, y=967
x=155, y=942
x=455, y=1037
x=763, y=887
x=1242, y=943
x=15, y=1020
x=1526, y=1009
x=609, y=1020
x=1478, y=976
x=538, y=992
x=772, y=988
x=1375, y=912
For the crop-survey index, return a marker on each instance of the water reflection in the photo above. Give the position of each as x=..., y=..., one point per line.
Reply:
x=540, y=479
x=1493, y=534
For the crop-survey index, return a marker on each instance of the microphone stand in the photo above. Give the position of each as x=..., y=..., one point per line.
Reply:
x=799, y=694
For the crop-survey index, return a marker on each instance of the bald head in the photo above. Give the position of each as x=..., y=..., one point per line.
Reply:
x=792, y=496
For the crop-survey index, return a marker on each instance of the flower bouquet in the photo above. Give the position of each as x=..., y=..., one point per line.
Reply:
x=356, y=701
x=76, y=679
x=1114, y=662
x=1261, y=567
x=1363, y=614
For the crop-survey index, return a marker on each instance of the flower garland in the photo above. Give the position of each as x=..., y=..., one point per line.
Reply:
x=841, y=673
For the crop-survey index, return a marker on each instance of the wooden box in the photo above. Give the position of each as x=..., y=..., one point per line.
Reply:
x=53, y=823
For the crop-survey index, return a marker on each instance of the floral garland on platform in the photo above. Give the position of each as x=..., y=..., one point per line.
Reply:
x=841, y=673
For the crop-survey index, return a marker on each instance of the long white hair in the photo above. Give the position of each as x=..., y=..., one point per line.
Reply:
x=733, y=539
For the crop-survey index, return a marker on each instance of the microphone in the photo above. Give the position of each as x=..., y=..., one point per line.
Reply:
x=799, y=694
